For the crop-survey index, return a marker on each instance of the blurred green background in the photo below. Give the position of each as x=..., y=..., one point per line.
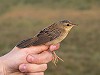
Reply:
x=20, y=19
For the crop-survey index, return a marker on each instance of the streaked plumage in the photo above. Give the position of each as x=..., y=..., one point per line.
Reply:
x=52, y=34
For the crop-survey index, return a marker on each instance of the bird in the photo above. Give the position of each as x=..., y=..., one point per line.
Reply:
x=50, y=35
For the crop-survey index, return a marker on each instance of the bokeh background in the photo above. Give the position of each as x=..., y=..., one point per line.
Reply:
x=20, y=19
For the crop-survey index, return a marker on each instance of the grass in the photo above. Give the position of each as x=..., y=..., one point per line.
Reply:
x=52, y=4
x=80, y=50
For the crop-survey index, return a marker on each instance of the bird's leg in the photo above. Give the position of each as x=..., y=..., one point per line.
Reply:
x=56, y=58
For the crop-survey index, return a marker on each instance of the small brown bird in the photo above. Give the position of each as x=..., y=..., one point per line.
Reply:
x=52, y=34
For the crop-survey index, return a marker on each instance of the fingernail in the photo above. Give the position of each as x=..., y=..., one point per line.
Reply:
x=22, y=68
x=52, y=47
x=30, y=58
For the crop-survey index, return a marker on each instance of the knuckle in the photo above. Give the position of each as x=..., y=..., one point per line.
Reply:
x=48, y=57
x=43, y=47
x=44, y=58
x=41, y=68
x=44, y=67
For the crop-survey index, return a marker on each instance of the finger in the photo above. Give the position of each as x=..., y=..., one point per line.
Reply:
x=38, y=49
x=39, y=73
x=34, y=49
x=41, y=58
x=54, y=47
x=32, y=68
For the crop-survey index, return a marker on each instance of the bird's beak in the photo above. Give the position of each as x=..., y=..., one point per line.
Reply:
x=74, y=24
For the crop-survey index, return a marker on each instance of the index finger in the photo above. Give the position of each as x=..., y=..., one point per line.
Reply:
x=35, y=49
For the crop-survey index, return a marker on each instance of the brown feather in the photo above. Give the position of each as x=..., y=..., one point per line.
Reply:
x=26, y=43
x=46, y=35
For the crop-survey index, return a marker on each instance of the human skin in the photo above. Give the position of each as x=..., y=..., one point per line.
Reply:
x=27, y=61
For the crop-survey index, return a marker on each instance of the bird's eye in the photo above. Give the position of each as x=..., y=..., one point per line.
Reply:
x=68, y=25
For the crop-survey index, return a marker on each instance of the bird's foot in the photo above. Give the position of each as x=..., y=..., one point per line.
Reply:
x=56, y=58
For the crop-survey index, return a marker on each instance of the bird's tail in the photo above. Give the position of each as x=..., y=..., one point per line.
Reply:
x=26, y=43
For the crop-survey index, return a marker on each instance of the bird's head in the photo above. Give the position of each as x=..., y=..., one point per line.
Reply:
x=66, y=24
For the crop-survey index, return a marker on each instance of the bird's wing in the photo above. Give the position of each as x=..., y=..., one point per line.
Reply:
x=46, y=35
x=26, y=43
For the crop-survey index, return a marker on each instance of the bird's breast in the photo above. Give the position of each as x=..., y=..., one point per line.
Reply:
x=58, y=39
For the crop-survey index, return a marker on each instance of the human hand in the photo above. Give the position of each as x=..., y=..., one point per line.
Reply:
x=15, y=62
